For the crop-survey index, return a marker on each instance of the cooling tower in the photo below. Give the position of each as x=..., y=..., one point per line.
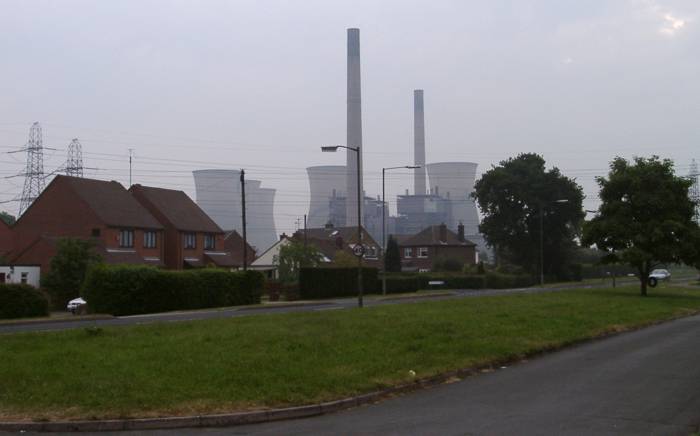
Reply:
x=455, y=181
x=418, y=143
x=325, y=182
x=219, y=195
x=354, y=127
x=260, y=217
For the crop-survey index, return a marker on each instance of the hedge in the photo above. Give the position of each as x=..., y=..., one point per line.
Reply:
x=22, y=301
x=506, y=281
x=128, y=290
x=397, y=285
x=317, y=283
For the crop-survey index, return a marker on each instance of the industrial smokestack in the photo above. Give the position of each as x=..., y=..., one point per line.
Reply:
x=354, y=128
x=418, y=143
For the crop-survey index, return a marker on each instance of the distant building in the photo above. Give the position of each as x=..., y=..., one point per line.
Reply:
x=21, y=274
x=5, y=239
x=266, y=261
x=420, y=251
x=233, y=244
x=330, y=240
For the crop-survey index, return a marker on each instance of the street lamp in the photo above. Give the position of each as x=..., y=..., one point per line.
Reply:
x=384, y=170
x=360, y=251
x=542, y=203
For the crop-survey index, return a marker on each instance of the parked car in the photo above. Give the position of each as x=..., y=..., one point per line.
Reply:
x=658, y=275
x=75, y=304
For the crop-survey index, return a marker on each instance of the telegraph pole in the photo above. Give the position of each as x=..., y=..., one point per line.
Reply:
x=245, y=235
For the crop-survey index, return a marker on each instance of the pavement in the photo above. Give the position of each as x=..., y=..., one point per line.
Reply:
x=645, y=382
x=309, y=306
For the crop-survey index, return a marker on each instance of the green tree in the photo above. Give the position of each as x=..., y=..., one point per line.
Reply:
x=645, y=217
x=513, y=196
x=293, y=256
x=392, y=257
x=68, y=269
x=7, y=218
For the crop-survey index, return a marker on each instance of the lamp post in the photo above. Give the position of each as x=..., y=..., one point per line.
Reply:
x=542, y=204
x=359, y=251
x=384, y=170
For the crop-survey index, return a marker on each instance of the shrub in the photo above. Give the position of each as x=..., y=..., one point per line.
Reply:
x=22, y=301
x=277, y=290
x=317, y=283
x=128, y=290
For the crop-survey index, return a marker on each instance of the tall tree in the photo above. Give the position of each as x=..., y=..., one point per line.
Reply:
x=518, y=198
x=645, y=218
x=392, y=258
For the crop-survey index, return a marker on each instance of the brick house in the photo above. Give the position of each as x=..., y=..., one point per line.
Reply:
x=418, y=252
x=329, y=240
x=191, y=238
x=105, y=212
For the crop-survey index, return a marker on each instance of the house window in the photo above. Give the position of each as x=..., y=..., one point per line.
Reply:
x=150, y=239
x=423, y=252
x=371, y=252
x=24, y=278
x=126, y=238
x=408, y=253
x=96, y=233
x=190, y=240
x=209, y=242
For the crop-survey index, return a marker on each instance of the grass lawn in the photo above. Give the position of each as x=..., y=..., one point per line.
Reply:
x=292, y=359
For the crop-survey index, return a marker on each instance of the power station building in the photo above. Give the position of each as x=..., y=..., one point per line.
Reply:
x=219, y=195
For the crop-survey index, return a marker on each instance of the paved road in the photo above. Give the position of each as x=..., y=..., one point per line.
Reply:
x=645, y=382
x=243, y=311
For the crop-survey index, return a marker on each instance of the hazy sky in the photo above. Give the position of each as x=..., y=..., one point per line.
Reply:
x=261, y=85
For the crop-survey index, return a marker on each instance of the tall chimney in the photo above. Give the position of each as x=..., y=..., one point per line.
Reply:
x=354, y=128
x=418, y=143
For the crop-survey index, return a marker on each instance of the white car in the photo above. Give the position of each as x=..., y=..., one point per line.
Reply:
x=74, y=305
x=658, y=274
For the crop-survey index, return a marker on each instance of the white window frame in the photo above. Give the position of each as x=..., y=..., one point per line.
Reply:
x=209, y=241
x=126, y=238
x=187, y=238
x=150, y=239
x=423, y=252
x=408, y=252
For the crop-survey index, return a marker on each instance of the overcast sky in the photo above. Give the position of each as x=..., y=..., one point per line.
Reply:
x=261, y=85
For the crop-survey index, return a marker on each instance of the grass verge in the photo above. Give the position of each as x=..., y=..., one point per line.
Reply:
x=279, y=360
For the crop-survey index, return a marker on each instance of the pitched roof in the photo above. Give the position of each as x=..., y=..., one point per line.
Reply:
x=349, y=234
x=431, y=236
x=111, y=202
x=177, y=208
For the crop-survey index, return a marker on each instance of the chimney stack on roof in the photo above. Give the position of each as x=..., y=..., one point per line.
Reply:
x=443, y=233
x=460, y=232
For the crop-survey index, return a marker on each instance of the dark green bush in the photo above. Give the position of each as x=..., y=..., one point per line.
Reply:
x=128, y=290
x=397, y=285
x=448, y=264
x=315, y=283
x=22, y=301
x=496, y=280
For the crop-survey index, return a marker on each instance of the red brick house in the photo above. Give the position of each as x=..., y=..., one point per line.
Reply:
x=123, y=230
x=192, y=239
x=418, y=252
x=233, y=244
